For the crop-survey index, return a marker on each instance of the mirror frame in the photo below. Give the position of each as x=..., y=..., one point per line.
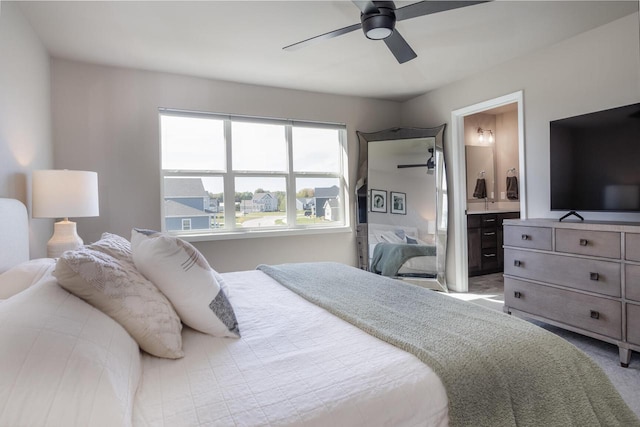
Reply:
x=361, y=192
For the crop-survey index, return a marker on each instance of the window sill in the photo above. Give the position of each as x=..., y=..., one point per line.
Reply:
x=252, y=234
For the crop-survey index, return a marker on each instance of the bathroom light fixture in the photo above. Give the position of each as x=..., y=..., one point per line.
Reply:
x=481, y=135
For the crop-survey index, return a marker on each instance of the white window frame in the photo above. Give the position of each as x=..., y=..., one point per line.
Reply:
x=229, y=175
x=186, y=221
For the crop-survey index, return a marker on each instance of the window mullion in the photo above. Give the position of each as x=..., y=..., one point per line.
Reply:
x=291, y=182
x=229, y=181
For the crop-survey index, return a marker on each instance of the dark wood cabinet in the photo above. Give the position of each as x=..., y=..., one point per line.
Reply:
x=484, y=239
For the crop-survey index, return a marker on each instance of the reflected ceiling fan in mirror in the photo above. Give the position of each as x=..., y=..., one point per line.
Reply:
x=378, y=20
x=430, y=165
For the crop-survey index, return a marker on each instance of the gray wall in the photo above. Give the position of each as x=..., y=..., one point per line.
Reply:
x=25, y=124
x=596, y=70
x=105, y=119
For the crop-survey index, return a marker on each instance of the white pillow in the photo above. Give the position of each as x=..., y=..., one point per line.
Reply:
x=391, y=237
x=114, y=245
x=181, y=272
x=117, y=289
x=63, y=362
x=23, y=275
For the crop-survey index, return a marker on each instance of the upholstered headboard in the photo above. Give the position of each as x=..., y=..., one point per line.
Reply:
x=14, y=233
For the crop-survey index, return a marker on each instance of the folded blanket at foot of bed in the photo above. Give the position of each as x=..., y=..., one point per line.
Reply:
x=497, y=370
x=389, y=257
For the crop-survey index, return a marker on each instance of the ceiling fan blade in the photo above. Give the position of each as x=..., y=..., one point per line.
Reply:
x=325, y=36
x=428, y=7
x=366, y=6
x=417, y=165
x=399, y=47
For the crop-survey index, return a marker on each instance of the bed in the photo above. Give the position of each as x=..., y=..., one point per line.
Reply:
x=400, y=251
x=308, y=353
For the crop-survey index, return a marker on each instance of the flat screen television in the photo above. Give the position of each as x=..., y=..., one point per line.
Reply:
x=595, y=161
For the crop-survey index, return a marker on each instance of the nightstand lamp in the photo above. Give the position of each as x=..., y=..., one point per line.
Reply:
x=64, y=194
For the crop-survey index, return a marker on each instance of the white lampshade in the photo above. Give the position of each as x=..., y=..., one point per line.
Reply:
x=65, y=193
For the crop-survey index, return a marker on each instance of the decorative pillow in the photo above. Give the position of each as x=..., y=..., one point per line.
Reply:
x=185, y=277
x=116, y=288
x=114, y=245
x=411, y=241
x=23, y=275
x=64, y=363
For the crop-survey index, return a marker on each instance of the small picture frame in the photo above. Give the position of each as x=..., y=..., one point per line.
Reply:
x=398, y=203
x=379, y=201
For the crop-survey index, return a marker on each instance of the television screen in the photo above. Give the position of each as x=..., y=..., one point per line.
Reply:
x=595, y=161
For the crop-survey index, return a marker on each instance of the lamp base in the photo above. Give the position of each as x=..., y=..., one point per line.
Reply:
x=65, y=238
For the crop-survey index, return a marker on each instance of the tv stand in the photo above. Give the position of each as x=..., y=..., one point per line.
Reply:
x=572, y=213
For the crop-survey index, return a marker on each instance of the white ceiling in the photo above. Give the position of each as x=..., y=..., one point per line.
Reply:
x=242, y=41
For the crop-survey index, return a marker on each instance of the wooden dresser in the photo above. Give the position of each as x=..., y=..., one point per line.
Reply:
x=580, y=276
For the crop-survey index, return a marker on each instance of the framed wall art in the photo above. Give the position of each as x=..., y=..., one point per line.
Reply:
x=398, y=203
x=378, y=201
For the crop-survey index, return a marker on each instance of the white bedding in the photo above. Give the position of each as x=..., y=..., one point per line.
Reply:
x=295, y=364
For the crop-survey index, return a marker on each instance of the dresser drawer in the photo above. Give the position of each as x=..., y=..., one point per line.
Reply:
x=633, y=323
x=604, y=244
x=589, y=275
x=527, y=237
x=632, y=246
x=599, y=315
x=632, y=280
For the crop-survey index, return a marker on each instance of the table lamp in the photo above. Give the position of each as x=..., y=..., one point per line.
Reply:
x=64, y=194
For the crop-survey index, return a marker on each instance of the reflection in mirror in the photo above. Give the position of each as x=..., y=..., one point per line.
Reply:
x=480, y=173
x=401, y=196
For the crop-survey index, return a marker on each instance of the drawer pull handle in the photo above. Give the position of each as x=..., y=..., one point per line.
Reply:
x=526, y=237
x=488, y=255
x=584, y=242
x=490, y=220
x=491, y=233
x=595, y=314
x=517, y=294
x=594, y=276
x=517, y=263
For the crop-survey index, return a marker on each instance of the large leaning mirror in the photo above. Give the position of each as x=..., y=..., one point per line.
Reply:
x=402, y=205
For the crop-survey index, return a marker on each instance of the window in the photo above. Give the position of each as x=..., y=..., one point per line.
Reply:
x=223, y=174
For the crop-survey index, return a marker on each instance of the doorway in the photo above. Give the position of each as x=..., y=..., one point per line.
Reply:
x=459, y=179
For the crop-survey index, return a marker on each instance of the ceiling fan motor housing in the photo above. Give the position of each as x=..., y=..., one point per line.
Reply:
x=379, y=24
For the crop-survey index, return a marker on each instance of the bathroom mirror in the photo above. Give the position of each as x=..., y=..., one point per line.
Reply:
x=480, y=166
x=402, y=205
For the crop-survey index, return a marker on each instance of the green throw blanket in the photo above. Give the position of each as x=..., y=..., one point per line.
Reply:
x=497, y=370
x=389, y=257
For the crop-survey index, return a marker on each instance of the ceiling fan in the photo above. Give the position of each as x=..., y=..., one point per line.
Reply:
x=378, y=20
x=430, y=165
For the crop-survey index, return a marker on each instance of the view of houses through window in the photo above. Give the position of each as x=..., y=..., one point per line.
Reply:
x=225, y=173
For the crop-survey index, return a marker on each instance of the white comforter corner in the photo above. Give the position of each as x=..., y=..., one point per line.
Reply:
x=296, y=364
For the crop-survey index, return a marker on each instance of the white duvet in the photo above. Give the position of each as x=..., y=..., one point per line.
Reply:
x=65, y=363
x=295, y=364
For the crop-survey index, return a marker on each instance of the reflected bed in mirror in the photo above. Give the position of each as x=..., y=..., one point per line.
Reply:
x=407, y=238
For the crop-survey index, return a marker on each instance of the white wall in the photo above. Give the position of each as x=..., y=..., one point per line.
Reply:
x=596, y=70
x=25, y=122
x=105, y=119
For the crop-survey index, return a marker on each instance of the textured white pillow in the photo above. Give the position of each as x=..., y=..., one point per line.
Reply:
x=64, y=363
x=114, y=245
x=181, y=272
x=23, y=275
x=120, y=291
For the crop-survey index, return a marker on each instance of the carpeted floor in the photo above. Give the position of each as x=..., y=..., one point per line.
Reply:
x=488, y=291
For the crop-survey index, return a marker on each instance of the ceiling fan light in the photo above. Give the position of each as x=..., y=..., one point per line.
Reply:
x=378, y=33
x=379, y=26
